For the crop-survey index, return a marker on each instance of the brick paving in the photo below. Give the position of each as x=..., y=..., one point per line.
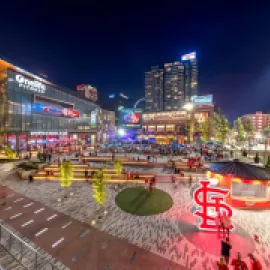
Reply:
x=76, y=245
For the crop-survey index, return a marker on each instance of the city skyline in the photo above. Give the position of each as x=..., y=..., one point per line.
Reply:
x=112, y=48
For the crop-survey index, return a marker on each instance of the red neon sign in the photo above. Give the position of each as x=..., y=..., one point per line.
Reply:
x=209, y=199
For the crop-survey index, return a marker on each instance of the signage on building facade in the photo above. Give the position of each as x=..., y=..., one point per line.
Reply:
x=165, y=115
x=93, y=118
x=189, y=56
x=30, y=84
x=49, y=133
x=202, y=100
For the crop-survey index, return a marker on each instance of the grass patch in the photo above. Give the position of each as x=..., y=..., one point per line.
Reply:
x=138, y=201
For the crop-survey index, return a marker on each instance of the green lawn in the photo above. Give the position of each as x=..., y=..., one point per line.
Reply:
x=140, y=202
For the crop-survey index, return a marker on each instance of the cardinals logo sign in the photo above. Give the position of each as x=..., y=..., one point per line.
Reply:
x=210, y=205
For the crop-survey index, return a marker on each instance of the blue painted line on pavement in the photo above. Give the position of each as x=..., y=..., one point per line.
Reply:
x=84, y=234
x=78, y=255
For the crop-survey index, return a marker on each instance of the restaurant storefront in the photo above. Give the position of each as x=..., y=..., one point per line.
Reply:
x=166, y=127
x=36, y=114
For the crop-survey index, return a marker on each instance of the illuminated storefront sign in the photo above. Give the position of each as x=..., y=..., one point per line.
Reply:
x=210, y=202
x=48, y=133
x=30, y=84
x=166, y=115
x=189, y=56
x=202, y=100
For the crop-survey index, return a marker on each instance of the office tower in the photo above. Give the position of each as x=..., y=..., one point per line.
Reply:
x=191, y=75
x=168, y=89
x=154, y=89
x=174, y=97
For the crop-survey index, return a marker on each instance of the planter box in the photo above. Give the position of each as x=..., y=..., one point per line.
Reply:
x=41, y=166
x=24, y=175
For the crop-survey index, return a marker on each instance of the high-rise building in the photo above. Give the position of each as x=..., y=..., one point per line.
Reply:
x=191, y=75
x=154, y=90
x=167, y=89
x=173, y=86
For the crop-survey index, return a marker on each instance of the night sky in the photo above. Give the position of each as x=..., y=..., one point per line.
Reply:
x=110, y=44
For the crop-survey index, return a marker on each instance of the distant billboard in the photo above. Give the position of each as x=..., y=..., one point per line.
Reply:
x=131, y=117
x=189, y=56
x=202, y=100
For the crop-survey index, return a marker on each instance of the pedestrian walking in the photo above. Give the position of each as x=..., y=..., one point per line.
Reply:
x=86, y=174
x=222, y=264
x=190, y=180
x=255, y=264
x=3, y=194
x=238, y=263
x=30, y=178
x=226, y=249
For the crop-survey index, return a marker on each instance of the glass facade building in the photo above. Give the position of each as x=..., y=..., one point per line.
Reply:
x=35, y=112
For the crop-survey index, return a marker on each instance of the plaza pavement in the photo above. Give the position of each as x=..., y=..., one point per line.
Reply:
x=171, y=235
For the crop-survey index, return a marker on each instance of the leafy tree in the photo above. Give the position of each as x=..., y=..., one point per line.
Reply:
x=205, y=129
x=118, y=167
x=66, y=173
x=221, y=126
x=10, y=153
x=190, y=131
x=267, y=165
x=99, y=186
x=240, y=130
x=249, y=129
x=266, y=132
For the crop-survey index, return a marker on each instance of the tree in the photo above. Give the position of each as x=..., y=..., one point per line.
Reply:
x=99, y=186
x=66, y=173
x=118, y=167
x=240, y=130
x=205, y=130
x=10, y=153
x=266, y=132
x=221, y=126
x=249, y=129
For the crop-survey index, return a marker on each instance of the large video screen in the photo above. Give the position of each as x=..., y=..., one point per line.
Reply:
x=131, y=117
x=55, y=110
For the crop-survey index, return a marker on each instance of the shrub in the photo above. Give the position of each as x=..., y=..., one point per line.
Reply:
x=244, y=152
x=257, y=158
x=267, y=165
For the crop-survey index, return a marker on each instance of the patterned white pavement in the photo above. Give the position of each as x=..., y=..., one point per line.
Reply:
x=164, y=234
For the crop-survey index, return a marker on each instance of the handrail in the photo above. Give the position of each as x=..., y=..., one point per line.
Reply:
x=27, y=245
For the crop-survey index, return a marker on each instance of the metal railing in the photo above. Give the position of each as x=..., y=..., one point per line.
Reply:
x=23, y=252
